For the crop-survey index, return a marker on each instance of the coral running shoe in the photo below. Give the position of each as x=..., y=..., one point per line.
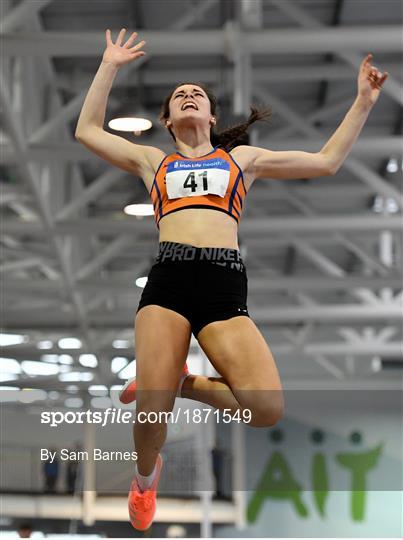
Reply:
x=142, y=505
x=128, y=392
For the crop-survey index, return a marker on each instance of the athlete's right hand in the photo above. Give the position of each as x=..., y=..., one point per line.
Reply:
x=118, y=54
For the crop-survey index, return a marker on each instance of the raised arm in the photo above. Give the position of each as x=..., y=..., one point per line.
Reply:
x=134, y=158
x=297, y=164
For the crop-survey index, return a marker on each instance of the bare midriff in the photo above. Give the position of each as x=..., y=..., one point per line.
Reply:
x=200, y=227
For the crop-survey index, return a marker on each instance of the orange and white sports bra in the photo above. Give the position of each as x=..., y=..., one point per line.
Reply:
x=213, y=181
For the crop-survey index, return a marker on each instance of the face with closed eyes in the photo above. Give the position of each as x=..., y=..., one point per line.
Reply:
x=189, y=105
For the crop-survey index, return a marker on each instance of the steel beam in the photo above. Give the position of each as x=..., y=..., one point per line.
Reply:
x=104, y=256
x=374, y=147
x=353, y=247
x=362, y=254
x=364, y=348
x=322, y=224
x=123, y=317
x=359, y=169
x=278, y=74
x=91, y=193
x=325, y=313
x=321, y=384
x=329, y=366
x=12, y=266
x=305, y=20
x=70, y=111
x=28, y=172
x=257, y=285
x=328, y=266
x=191, y=42
x=22, y=13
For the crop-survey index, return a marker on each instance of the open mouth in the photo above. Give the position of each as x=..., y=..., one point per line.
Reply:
x=189, y=105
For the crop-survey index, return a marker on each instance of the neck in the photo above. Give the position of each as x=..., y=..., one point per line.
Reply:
x=193, y=142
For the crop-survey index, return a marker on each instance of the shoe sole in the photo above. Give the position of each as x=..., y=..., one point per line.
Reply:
x=153, y=487
x=123, y=390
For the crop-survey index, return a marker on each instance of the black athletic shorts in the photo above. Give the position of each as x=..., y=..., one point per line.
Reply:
x=202, y=284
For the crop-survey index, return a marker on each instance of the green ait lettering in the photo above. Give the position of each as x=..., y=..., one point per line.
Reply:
x=277, y=482
x=359, y=465
x=320, y=482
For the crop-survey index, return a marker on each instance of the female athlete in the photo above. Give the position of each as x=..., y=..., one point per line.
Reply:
x=198, y=283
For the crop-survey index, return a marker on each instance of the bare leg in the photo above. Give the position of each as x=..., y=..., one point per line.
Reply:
x=159, y=364
x=150, y=437
x=213, y=391
x=239, y=352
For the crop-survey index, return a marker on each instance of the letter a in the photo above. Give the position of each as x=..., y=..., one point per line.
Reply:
x=277, y=482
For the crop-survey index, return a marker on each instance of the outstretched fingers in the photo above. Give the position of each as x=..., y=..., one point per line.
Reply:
x=378, y=79
x=108, y=37
x=367, y=61
x=120, y=37
x=130, y=40
x=375, y=76
x=119, y=40
x=383, y=78
x=138, y=46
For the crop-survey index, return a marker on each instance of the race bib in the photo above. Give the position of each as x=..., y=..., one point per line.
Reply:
x=193, y=178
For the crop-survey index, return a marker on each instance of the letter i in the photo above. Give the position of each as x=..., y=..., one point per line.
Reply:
x=320, y=484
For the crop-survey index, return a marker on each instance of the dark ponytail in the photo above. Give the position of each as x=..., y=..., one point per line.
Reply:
x=229, y=137
x=238, y=134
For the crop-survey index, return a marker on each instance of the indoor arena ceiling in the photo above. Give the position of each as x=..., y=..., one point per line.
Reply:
x=323, y=255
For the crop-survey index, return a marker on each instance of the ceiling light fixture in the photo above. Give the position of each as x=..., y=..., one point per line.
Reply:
x=141, y=282
x=139, y=209
x=136, y=124
x=128, y=371
x=45, y=344
x=88, y=360
x=12, y=339
x=69, y=343
x=392, y=165
x=118, y=363
x=121, y=343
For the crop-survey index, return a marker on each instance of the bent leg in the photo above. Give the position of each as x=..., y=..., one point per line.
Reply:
x=238, y=351
x=213, y=391
x=162, y=339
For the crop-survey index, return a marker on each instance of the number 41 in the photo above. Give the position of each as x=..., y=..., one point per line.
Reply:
x=190, y=181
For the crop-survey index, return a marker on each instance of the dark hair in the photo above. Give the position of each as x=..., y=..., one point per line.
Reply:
x=229, y=137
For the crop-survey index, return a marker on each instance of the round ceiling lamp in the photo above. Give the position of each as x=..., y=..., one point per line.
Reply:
x=135, y=125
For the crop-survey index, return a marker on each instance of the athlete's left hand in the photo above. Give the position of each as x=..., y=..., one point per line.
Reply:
x=370, y=80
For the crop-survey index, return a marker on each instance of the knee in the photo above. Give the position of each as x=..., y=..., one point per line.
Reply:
x=154, y=402
x=268, y=410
